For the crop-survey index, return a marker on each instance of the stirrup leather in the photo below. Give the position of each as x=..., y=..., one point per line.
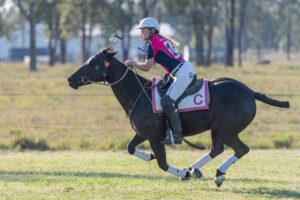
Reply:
x=170, y=139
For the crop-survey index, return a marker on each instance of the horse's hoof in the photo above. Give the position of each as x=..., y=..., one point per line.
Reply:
x=186, y=177
x=152, y=157
x=219, y=180
x=195, y=173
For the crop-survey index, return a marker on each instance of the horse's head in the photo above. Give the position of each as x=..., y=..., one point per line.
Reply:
x=93, y=70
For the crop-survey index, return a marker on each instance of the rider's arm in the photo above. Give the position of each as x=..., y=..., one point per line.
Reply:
x=146, y=66
x=149, y=62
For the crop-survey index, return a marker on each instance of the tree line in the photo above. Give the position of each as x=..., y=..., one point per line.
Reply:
x=238, y=25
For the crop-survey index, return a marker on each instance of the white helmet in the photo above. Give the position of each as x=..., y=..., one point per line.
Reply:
x=149, y=22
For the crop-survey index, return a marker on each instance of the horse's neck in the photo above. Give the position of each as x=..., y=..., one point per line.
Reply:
x=127, y=90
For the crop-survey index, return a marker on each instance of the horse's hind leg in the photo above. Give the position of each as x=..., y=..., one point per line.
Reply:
x=216, y=149
x=240, y=149
x=131, y=147
x=160, y=155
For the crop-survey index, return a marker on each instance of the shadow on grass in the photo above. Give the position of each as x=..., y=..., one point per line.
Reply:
x=270, y=192
x=273, y=193
x=31, y=176
x=262, y=181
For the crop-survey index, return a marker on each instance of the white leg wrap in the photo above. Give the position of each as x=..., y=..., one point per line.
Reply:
x=142, y=155
x=227, y=163
x=177, y=172
x=201, y=161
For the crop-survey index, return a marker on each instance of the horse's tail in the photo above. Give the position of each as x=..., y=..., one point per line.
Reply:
x=195, y=146
x=273, y=102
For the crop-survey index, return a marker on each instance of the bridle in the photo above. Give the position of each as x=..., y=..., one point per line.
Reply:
x=86, y=79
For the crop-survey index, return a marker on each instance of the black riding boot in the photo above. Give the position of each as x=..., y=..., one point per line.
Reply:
x=174, y=136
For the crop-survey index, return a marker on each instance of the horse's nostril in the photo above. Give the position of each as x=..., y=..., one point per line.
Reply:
x=69, y=79
x=74, y=85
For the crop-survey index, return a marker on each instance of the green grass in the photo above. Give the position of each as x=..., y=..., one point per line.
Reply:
x=56, y=115
x=260, y=175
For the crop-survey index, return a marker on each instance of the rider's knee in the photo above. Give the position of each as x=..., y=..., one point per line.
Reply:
x=167, y=103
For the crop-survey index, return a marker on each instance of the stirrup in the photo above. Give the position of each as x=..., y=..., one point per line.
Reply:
x=171, y=140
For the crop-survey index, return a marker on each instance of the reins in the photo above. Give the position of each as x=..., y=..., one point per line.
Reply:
x=86, y=80
x=131, y=111
x=143, y=87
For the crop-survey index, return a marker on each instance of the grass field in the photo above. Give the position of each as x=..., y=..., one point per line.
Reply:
x=262, y=174
x=40, y=111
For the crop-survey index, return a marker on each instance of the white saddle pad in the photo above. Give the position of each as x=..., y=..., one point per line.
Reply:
x=197, y=101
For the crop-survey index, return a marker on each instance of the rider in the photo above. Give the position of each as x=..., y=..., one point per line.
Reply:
x=161, y=50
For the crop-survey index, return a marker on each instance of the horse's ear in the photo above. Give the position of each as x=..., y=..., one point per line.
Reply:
x=110, y=54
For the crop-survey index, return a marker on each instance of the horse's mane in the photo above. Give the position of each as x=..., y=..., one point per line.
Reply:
x=132, y=71
x=108, y=49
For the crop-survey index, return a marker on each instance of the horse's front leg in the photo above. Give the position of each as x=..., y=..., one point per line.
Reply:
x=160, y=155
x=131, y=147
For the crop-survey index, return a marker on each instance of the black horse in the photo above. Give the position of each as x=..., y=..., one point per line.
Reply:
x=232, y=108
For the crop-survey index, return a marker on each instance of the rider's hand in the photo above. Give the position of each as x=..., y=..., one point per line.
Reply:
x=130, y=63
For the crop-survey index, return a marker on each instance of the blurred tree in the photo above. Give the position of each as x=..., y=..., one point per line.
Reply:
x=123, y=16
x=67, y=27
x=49, y=14
x=1, y=20
x=63, y=48
x=80, y=18
x=13, y=21
x=229, y=6
x=83, y=14
x=28, y=9
x=194, y=12
x=210, y=9
x=74, y=22
x=147, y=7
x=1, y=25
x=260, y=25
x=261, y=28
x=288, y=18
x=242, y=14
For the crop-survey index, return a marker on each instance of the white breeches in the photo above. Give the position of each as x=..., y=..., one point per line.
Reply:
x=183, y=78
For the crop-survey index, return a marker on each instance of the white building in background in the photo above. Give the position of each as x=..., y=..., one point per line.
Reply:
x=20, y=39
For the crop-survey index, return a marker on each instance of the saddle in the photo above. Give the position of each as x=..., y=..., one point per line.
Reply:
x=167, y=80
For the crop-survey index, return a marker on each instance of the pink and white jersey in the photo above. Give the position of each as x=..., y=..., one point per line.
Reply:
x=163, y=53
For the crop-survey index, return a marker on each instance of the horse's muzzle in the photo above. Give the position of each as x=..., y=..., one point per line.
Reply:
x=73, y=84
